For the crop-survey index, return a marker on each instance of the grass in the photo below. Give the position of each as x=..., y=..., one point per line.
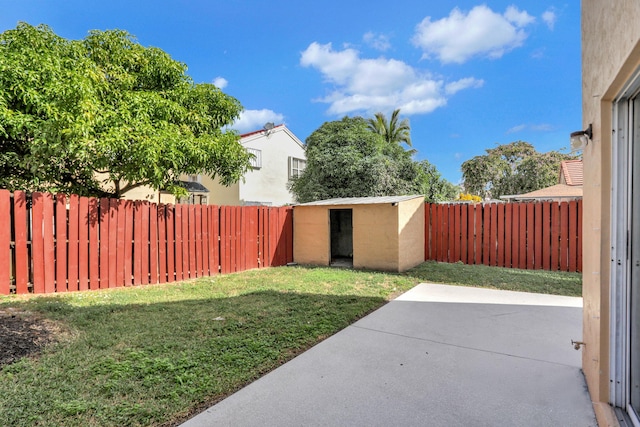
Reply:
x=155, y=355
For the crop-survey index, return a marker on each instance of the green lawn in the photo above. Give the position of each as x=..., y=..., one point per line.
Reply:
x=153, y=355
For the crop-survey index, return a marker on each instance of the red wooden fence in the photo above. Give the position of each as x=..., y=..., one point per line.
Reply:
x=59, y=243
x=542, y=235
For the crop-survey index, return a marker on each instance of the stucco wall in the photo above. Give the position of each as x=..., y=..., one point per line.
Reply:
x=610, y=53
x=219, y=194
x=311, y=235
x=269, y=183
x=411, y=233
x=375, y=236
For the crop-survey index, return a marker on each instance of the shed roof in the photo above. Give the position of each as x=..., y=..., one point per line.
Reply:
x=362, y=200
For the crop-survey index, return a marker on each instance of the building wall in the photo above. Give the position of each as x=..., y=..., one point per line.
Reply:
x=268, y=184
x=311, y=232
x=610, y=54
x=411, y=233
x=375, y=236
x=219, y=194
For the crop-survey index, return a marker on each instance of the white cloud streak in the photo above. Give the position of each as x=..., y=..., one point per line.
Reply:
x=377, y=41
x=549, y=17
x=251, y=120
x=480, y=32
x=380, y=84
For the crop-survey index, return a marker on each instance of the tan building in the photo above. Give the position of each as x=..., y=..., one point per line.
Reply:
x=381, y=233
x=611, y=227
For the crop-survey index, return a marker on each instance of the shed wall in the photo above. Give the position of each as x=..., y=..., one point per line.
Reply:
x=411, y=234
x=311, y=235
x=375, y=236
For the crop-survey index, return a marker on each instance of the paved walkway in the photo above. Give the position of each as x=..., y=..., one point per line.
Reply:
x=436, y=356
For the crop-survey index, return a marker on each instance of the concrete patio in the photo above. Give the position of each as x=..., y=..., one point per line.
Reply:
x=436, y=356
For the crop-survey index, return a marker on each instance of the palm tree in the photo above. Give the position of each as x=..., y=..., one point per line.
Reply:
x=392, y=131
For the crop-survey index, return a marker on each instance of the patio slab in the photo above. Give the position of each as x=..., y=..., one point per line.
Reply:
x=438, y=356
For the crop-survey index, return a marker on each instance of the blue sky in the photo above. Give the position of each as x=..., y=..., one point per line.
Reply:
x=467, y=74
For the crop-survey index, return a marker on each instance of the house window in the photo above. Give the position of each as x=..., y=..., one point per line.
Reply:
x=256, y=161
x=296, y=167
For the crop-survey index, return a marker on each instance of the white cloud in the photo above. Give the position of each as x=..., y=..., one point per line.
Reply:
x=377, y=41
x=251, y=120
x=542, y=127
x=461, y=84
x=220, y=82
x=379, y=84
x=517, y=128
x=481, y=32
x=549, y=17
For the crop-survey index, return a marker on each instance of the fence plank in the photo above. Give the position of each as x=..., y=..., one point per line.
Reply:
x=113, y=242
x=61, y=242
x=225, y=252
x=515, y=235
x=180, y=274
x=121, y=228
x=288, y=225
x=49, y=245
x=128, y=242
x=144, y=207
x=21, y=227
x=204, y=212
x=214, y=245
x=579, y=233
x=486, y=233
x=546, y=235
x=93, y=216
x=522, y=256
x=153, y=243
x=508, y=238
x=193, y=233
x=162, y=243
x=104, y=243
x=137, y=243
x=530, y=236
x=538, y=237
x=171, y=243
x=573, y=234
x=186, y=240
x=555, y=236
x=37, y=242
x=564, y=236
x=493, y=242
x=84, y=262
x=72, y=259
x=5, y=243
x=500, y=239
x=477, y=215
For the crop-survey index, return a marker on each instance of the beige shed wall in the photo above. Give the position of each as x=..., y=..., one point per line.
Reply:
x=375, y=236
x=311, y=235
x=411, y=233
x=610, y=54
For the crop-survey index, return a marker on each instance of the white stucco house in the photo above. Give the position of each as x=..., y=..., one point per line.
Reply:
x=279, y=156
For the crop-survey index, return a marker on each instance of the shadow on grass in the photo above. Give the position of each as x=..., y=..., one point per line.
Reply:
x=159, y=363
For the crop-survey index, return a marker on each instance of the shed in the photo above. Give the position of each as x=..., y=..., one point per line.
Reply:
x=380, y=233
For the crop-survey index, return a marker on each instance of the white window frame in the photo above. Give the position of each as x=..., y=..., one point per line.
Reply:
x=296, y=167
x=256, y=162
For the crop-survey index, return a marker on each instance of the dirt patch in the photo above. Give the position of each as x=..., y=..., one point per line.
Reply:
x=24, y=334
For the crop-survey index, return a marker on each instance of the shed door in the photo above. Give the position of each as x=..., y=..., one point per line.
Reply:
x=341, y=221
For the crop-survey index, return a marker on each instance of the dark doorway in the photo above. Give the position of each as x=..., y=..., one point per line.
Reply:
x=341, y=237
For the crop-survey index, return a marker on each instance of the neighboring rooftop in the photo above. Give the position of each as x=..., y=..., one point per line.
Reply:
x=571, y=172
x=361, y=200
x=555, y=192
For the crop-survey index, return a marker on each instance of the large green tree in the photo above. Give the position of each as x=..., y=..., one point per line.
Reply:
x=346, y=159
x=105, y=114
x=513, y=168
